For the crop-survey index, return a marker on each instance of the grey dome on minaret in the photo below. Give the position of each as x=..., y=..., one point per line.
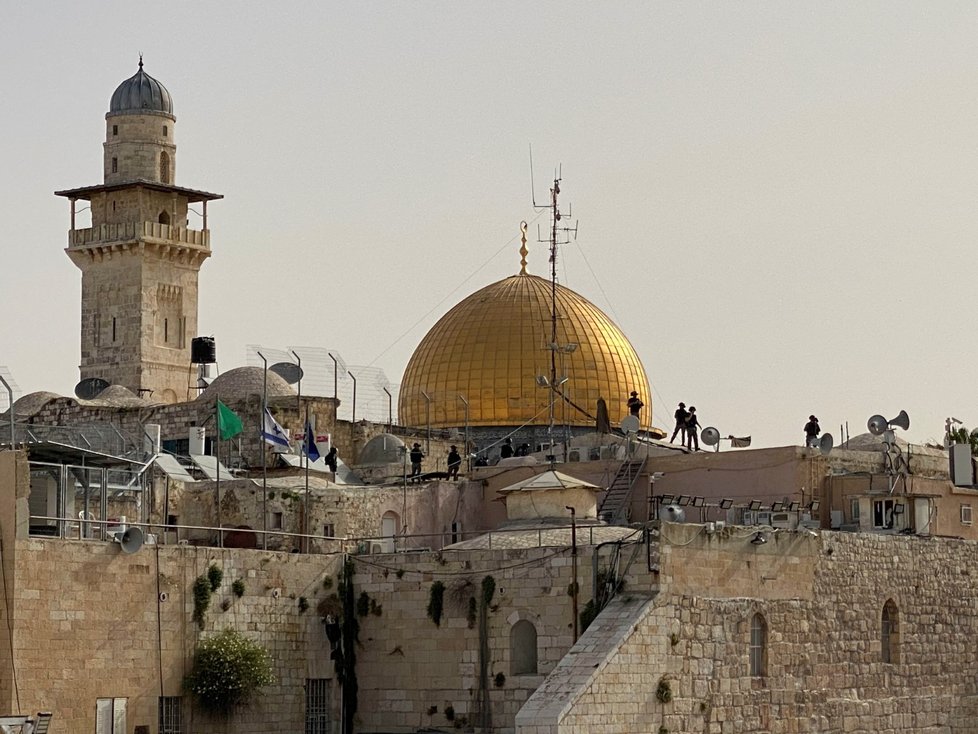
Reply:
x=141, y=93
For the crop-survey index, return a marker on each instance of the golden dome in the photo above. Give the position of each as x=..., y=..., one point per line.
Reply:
x=490, y=348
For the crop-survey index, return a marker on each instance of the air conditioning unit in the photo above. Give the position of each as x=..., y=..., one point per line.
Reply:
x=750, y=517
x=784, y=520
x=382, y=546
x=763, y=518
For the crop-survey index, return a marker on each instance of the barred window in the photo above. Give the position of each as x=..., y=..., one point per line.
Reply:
x=171, y=710
x=317, y=706
x=758, y=646
x=890, y=633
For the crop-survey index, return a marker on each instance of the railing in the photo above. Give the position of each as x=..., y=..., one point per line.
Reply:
x=103, y=438
x=75, y=528
x=125, y=231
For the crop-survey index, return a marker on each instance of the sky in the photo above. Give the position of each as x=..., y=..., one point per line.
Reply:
x=776, y=201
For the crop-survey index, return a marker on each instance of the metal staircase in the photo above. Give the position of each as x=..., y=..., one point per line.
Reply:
x=614, y=506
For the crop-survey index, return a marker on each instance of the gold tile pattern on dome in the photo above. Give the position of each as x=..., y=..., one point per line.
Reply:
x=492, y=345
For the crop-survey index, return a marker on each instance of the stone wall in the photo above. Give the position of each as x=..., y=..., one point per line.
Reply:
x=90, y=622
x=410, y=670
x=821, y=597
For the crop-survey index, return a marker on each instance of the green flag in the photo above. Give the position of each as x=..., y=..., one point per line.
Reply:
x=228, y=423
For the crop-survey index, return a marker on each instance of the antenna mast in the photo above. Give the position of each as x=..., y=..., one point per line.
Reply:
x=559, y=235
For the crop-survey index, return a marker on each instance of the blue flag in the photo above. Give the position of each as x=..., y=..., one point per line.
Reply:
x=309, y=444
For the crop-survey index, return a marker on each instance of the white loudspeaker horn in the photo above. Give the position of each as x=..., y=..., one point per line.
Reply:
x=131, y=540
x=901, y=421
x=876, y=425
x=825, y=443
x=710, y=436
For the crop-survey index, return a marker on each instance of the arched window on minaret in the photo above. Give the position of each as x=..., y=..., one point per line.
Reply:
x=164, y=167
x=164, y=217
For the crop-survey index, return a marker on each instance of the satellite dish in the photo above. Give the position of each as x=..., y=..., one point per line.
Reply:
x=90, y=388
x=710, y=436
x=672, y=513
x=131, y=540
x=629, y=424
x=825, y=444
x=876, y=425
x=288, y=371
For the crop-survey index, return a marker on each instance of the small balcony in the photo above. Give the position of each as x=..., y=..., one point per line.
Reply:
x=130, y=231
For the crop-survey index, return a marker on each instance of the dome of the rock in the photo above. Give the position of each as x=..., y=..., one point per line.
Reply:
x=493, y=350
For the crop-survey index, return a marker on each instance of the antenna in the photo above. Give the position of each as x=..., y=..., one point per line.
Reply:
x=559, y=235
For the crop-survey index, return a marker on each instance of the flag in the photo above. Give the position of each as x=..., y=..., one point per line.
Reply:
x=273, y=433
x=228, y=422
x=309, y=444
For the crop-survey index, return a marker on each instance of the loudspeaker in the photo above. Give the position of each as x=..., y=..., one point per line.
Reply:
x=131, y=540
x=901, y=421
x=876, y=425
x=825, y=443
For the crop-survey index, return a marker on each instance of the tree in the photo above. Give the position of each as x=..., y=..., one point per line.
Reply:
x=963, y=435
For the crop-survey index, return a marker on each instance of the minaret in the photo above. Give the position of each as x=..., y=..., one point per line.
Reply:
x=139, y=260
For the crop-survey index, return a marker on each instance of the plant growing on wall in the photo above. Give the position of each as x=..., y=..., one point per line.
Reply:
x=664, y=692
x=346, y=655
x=238, y=588
x=303, y=604
x=215, y=576
x=436, y=602
x=227, y=670
x=202, y=599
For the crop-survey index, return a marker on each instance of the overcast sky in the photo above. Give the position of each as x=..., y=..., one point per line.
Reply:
x=777, y=201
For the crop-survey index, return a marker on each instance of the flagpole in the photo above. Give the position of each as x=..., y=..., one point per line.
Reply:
x=305, y=512
x=217, y=438
x=261, y=445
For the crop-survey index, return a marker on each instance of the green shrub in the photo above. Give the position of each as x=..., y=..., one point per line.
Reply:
x=227, y=670
x=436, y=602
x=215, y=576
x=238, y=588
x=202, y=599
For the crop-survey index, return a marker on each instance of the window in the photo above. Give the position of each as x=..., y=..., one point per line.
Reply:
x=883, y=514
x=317, y=706
x=164, y=131
x=523, y=648
x=172, y=520
x=164, y=168
x=115, y=165
x=171, y=709
x=110, y=716
x=96, y=325
x=456, y=532
x=276, y=523
x=890, y=633
x=166, y=331
x=854, y=509
x=164, y=217
x=115, y=129
x=965, y=514
x=329, y=530
x=113, y=206
x=113, y=328
x=758, y=646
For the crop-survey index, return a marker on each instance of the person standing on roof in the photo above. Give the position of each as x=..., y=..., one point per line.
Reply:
x=681, y=416
x=454, y=462
x=812, y=429
x=506, y=450
x=692, y=428
x=634, y=404
x=416, y=457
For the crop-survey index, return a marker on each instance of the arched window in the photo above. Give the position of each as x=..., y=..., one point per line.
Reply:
x=890, y=633
x=389, y=524
x=164, y=217
x=164, y=168
x=523, y=648
x=758, y=646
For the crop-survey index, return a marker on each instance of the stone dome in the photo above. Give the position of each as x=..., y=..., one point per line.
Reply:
x=141, y=93
x=491, y=347
x=241, y=382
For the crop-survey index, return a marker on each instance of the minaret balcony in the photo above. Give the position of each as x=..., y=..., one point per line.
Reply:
x=109, y=234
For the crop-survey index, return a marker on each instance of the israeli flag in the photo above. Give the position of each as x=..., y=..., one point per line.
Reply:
x=274, y=434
